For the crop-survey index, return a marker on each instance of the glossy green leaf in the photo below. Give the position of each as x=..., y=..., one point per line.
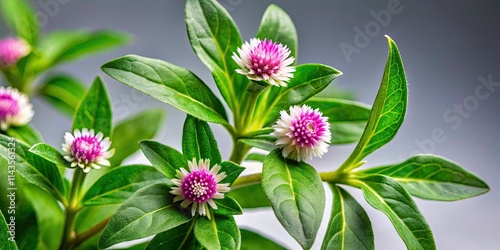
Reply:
x=149, y=211
x=63, y=92
x=7, y=242
x=296, y=194
x=50, y=154
x=349, y=226
x=49, y=217
x=232, y=171
x=347, y=118
x=94, y=110
x=33, y=168
x=254, y=241
x=308, y=80
x=177, y=238
x=170, y=84
x=277, y=26
x=198, y=141
x=265, y=142
x=388, y=111
x=26, y=134
x=62, y=46
x=120, y=183
x=21, y=18
x=256, y=157
x=434, y=178
x=393, y=200
x=164, y=158
x=227, y=206
x=250, y=196
x=127, y=133
x=220, y=232
x=214, y=38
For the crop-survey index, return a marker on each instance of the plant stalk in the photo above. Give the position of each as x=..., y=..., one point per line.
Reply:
x=72, y=209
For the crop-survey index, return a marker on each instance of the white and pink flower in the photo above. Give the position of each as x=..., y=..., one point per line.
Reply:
x=15, y=109
x=199, y=186
x=303, y=133
x=11, y=50
x=265, y=61
x=87, y=150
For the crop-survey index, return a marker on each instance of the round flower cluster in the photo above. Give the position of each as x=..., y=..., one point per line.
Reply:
x=15, y=109
x=11, y=50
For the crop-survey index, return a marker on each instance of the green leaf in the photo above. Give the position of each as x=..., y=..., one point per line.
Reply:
x=308, y=80
x=33, y=168
x=120, y=183
x=232, y=170
x=388, y=111
x=50, y=154
x=149, y=211
x=180, y=238
x=227, y=206
x=265, y=142
x=26, y=134
x=296, y=194
x=94, y=110
x=254, y=241
x=7, y=242
x=214, y=38
x=49, y=217
x=127, y=133
x=164, y=158
x=349, y=226
x=64, y=46
x=255, y=157
x=170, y=84
x=434, y=178
x=250, y=196
x=220, y=232
x=347, y=118
x=90, y=216
x=21, y=17
x=198, y=141
x=63, y=92
x=277, y=25
x=391, y=198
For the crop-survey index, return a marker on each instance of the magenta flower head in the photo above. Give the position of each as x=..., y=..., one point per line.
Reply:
x=87, y=150
x=303, y=133
x=15, y=108
x=265, y=61
x=199, y=186
x=11, y=50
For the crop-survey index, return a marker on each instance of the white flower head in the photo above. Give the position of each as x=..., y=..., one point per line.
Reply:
x=199, y=186
x=15, y=108
x=87, y=150
x=303, y=133
x=265, y=61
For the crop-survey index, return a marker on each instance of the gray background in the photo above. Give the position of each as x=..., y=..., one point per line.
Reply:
x=446, y=46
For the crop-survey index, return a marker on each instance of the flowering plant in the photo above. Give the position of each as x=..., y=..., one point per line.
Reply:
x=188, y=199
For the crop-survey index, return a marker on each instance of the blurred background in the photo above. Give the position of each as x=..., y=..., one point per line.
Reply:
x=450, y=49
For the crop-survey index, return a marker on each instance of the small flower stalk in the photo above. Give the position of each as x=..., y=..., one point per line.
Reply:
x=15, y=109
x=265, y=61
x=11, y=50
x=87, y=150
x=199, y=186
x=303, y=133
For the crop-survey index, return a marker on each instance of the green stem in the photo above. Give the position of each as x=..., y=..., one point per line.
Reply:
x=80, y=238
x=246, y=180
x=239, y=151
x=254, y=90
x=72, y=209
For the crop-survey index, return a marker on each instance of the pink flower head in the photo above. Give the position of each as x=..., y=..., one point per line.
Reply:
x=87, y=149
x=265, y=61
x=15, y=108
x=302, y=133
x=199, y=186
x=11, y=50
